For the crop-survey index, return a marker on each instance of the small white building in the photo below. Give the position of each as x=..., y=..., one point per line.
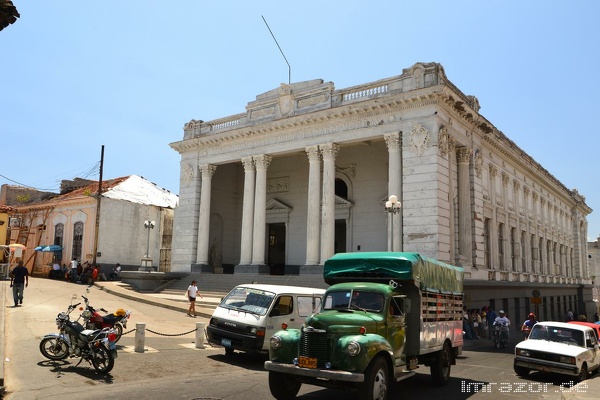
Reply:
x=69, y=220
x=306, y=170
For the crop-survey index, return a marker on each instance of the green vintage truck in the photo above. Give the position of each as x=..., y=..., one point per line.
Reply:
x=384, y=314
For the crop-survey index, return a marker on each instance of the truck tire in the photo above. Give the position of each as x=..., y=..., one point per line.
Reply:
x=377, y=383
x=440, y=367
x=283, y=386
x=521, y=371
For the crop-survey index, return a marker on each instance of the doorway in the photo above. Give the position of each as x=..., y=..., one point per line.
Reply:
x=340, y=236
x=276, y=249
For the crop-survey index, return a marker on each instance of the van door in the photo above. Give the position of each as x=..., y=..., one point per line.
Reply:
x=291, y=309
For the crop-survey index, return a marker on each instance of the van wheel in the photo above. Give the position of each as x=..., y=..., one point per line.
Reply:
x=440, y=367
x=377, y=383
x=521, y=371
x=283, y=386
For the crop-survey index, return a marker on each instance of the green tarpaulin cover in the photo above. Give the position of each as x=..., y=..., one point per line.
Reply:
x=427, y=273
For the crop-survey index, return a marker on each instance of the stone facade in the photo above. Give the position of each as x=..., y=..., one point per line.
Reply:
x=305, y=172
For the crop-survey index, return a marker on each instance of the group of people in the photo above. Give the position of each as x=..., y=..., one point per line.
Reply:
x=479, y=324
x=82, y=272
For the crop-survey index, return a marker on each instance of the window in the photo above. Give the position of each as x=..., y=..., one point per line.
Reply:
x=486, y=244
x=77, y=240
x=501, y=245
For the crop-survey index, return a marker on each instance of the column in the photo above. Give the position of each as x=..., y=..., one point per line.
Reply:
x=394, y=144
x=247, y=211
x=260, y=203
x=465, y=245
x=313, y=218
x=207, y=172
x=494, y=262
x=329, y=151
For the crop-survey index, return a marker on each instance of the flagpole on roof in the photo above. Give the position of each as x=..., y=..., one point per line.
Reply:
x=98, y=197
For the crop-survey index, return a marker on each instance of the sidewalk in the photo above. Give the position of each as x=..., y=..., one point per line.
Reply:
x=167, y=299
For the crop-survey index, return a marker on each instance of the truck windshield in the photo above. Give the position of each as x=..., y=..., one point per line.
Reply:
x=254, y=301
x=354, y=300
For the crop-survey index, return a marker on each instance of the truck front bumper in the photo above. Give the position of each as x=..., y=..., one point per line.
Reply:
x=334, y=375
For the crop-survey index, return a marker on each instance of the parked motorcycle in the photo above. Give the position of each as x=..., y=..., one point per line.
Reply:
x=98, y=347
x=92, y=319
x=500, y=335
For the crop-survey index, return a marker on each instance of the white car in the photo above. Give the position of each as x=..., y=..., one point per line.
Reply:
x=558, y=347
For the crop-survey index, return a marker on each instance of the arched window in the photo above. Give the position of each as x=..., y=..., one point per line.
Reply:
x=77, y=240
x=341, y=188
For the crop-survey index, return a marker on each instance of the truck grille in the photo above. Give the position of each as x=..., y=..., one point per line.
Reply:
x=315, y=343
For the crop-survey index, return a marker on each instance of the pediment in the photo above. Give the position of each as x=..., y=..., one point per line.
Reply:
x=276, y=206
x=340, y=202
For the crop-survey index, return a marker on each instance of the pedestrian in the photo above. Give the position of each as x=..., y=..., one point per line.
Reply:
x=490, y=317
x=114, y=275
x=569, y=316
x=19, y=280
x=55, y=273
x=94, y=276
x=596, y=318
x=74, y=265
x=192, y=293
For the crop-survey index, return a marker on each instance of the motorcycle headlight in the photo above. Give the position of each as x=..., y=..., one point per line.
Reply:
x=86, y=314
x=353, y=348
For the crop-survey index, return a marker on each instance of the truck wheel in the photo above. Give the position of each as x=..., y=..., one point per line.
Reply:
x=228, y=351
x=376, y=384
x=440, y=367
x=283, y=386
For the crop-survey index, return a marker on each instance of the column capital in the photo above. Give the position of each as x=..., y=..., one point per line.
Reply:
x=262, y=162
x=248, y=163
x=313, y=153
x=329, y=150
x=463, y=155
x=393, y=140
x=207, y=170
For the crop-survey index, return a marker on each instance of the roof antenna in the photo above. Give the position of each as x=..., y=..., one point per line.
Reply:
x=289, y=68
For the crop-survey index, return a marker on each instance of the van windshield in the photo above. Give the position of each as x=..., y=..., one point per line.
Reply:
x=251, y=300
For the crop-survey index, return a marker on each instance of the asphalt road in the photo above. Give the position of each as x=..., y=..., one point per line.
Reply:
x=172, y=367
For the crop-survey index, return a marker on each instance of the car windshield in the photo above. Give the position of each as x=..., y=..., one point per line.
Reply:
x=557, y=334
x=254, y=301
x=354, y=300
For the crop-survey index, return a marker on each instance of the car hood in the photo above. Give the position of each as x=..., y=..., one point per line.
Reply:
x=551, y=347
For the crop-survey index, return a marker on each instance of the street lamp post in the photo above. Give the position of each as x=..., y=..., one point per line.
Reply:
x=147, y=260
x=392, y=206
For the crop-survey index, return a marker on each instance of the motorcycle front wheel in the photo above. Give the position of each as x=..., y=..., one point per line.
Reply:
x=54, y=348
x=102, y=361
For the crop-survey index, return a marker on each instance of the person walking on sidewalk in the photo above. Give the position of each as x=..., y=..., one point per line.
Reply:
x=19, y=280
x=192, y=293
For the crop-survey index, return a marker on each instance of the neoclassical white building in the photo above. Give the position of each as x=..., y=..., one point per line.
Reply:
x=306, y=170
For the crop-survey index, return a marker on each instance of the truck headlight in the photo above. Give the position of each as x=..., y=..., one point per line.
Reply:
x=524, y=353
x=353, y=348
x=275, y=342
x=567, y=360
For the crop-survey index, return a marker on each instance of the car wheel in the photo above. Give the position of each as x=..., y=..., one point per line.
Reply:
x=583, y=373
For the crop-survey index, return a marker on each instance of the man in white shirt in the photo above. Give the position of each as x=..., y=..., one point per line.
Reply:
x=502, y=319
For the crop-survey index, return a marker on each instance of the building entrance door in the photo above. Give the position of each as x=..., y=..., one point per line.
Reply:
x=276, y=249
x=340, y=236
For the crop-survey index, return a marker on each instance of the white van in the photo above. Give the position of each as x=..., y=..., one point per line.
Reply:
x=248, y=316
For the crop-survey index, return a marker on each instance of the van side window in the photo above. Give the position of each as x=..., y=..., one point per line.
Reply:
x=285, y=305
x=305, y=305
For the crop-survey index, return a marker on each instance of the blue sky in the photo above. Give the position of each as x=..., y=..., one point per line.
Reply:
x=77, y=75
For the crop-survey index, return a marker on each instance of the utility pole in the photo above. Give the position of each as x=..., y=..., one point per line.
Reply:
x=98, y=197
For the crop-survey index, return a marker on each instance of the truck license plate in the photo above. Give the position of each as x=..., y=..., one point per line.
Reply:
x=307, y=362
x=226, y=342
